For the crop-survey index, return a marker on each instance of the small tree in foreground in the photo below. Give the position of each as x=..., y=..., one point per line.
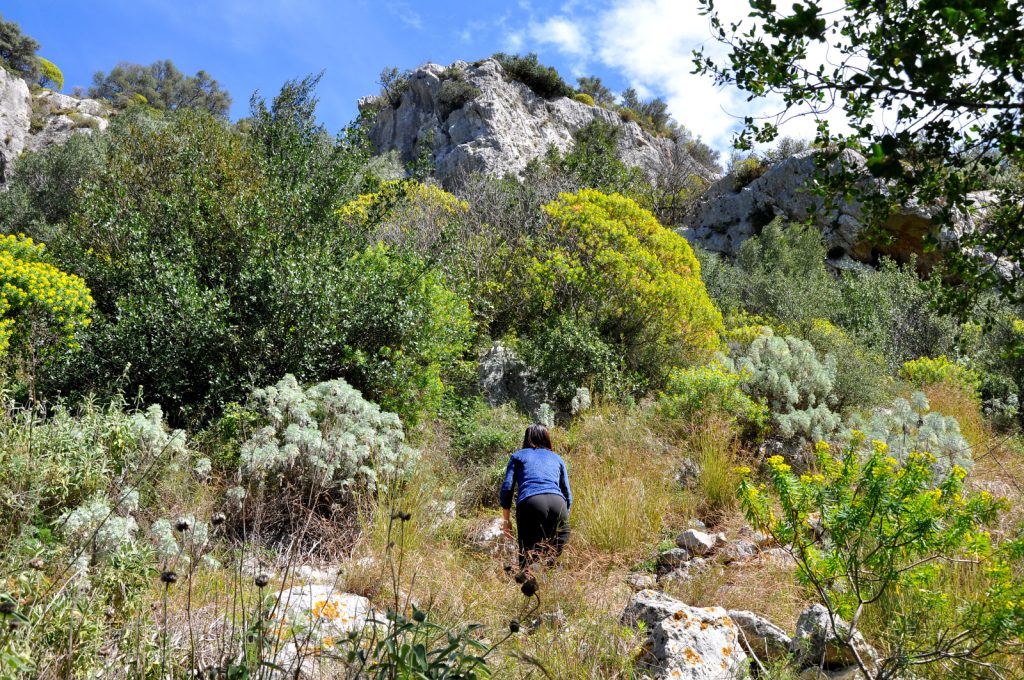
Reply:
x=877, y=541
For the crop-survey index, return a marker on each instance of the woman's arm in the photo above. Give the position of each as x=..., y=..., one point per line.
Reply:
x=505, y=496
x=563, y=481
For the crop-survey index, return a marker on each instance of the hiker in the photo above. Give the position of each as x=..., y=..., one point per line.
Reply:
x=543, y=500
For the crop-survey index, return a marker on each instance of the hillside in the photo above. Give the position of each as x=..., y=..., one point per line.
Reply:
x=261, y=382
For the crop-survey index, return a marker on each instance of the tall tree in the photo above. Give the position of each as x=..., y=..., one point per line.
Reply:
x=593, y=86
x=18, y=51
x=933, y=91
x=163, y=87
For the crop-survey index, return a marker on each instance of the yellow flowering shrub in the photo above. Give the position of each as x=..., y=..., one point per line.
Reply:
x=413, y=200
x=927, y=371
x=37, y=300
x=610, y=261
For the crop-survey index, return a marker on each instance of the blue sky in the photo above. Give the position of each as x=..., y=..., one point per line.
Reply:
x=251, y=45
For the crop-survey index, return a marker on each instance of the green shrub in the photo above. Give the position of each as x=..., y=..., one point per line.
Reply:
x=862, y=379
x=927, y=371
x=543, y=80
x=711, y=389
x=797, y=387
x=745, y=171
x=483, y=435
x=903, y=549
x=456, y=91
x=584, y=98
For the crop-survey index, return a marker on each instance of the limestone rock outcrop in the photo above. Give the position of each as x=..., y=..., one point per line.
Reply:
x=727, y=215
x=33, y=121
x=502, y=127
x=15, y=117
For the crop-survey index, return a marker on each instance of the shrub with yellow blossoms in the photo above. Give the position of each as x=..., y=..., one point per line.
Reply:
x=40, y=305
x=890, y=543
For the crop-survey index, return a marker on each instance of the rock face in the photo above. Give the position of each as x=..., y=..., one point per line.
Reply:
x=503, y=127
x=30, y=122
x=687, y=642
x=505, y=378
x=63, y=116
x=728, y=215
x=15, y=117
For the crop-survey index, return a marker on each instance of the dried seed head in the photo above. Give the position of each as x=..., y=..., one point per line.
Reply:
x=37, y=563
x=404, y=516
x=8, y=607
x=418, y=616
x=530, y=587
x=169, y=577
x=182, y=525
x=513, y=626
x=521, y=577
x=261, y=580
x=218, y=519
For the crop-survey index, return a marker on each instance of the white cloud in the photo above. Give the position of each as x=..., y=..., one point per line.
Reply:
x=651, y=43
x=406, y=14
x=562, y=33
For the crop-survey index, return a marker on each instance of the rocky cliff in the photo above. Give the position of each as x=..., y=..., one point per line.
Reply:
x=727, y=215
x=32, y=121
x=501, y=126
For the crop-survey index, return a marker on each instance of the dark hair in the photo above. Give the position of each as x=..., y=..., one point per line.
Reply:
x=537, y=437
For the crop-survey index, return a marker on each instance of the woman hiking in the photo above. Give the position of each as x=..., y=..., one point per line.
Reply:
x=543, y=499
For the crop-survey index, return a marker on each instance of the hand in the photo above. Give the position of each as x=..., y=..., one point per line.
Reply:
x=506, y=527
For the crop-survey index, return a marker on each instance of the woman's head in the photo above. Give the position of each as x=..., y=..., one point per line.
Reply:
x=537, y=437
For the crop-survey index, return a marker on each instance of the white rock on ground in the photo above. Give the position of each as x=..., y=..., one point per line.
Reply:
x=817, y=643
x=674, y=557
x=737, y=552
x=641, y=581
x=760, y=637
x=684, y=642
x=697, y=542
x=487, y=536
x=310, y=620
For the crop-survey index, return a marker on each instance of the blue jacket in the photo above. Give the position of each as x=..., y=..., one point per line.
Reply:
x=535, y=471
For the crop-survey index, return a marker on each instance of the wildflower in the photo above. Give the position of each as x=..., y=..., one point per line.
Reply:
x=7, y=607
x=261, y=580
x=218, y=519
x=418, y=616
x=529, y=588
x=182, y=525
x=513, y=626
x=169, y=577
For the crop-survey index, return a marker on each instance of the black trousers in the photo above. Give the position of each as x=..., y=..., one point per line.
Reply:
x=543, y=523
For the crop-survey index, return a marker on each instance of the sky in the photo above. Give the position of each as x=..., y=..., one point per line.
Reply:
x=256, y=45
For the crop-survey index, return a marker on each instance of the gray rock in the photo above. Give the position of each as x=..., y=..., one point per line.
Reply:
x=641, y=580
x=737, y=551
x=309, y=619
x=697, y=542
x=670, y=559
x=818, y=643
x=688, y=474
x=503, y=127
x=687, y=571
x=15, y=117
x=504, y=378
x=697, y=524
x=760, y=637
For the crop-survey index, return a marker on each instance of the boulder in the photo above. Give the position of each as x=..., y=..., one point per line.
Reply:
x=686, y=642
x=737, y=551
x=760, y=637
x=697, y=542
x=505, y=378
x=500, y=125
x=688, y=473
x=15, y=118
x=641, y=580
x=820, y=641
x=687, y=571
x=309, y=621
x=670, y=559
